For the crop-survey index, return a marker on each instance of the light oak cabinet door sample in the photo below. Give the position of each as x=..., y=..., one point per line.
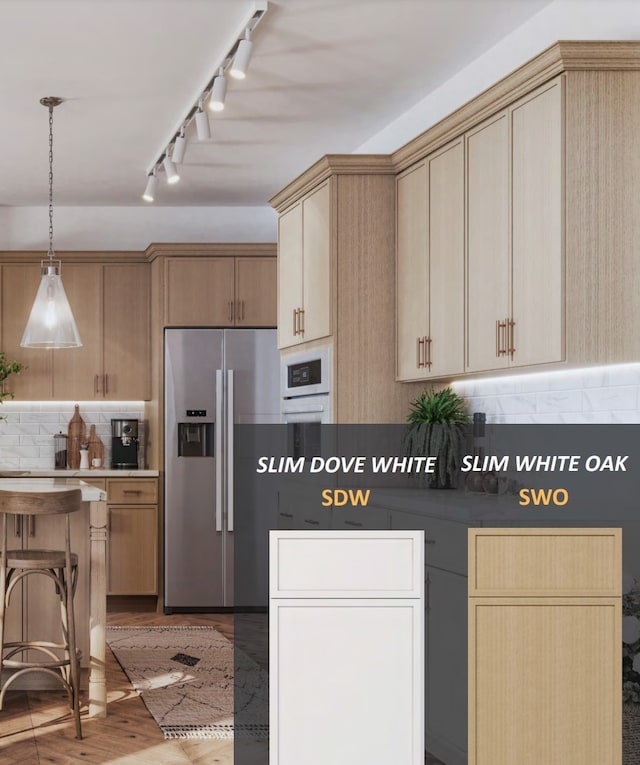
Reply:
x=126, y=332
x=19, y=286
x=537, y=227
x=304, y=269
x=545, y=679
x=488, y=248
x=346, y=644
x=256, y=286
x=199, y=292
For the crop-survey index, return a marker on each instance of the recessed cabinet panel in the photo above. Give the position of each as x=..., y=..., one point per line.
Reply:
x=76, y=371
x=445, y=349
x=199, y=292
x=256, y=280
x=412, y=272
x=19, y=286
x=537, y=215
x=488, y=248
x=316, y=271
x=289, y=274
x=132, y=550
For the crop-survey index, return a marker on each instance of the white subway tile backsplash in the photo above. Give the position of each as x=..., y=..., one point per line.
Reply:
x=27, y=430
x=595, y=395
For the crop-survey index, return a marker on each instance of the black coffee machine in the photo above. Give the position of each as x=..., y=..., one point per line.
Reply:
x=124, y=444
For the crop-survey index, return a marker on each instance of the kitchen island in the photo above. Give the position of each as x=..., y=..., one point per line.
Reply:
x=89, y=540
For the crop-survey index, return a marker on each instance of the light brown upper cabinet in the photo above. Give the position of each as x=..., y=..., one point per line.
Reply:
x=304, y=269
x=430, y=266
x=515, y=267
x=110, y=302
x=220, y=291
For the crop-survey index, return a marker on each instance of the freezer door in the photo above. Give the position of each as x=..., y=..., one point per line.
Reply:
x=252, y=363
x=194, y=542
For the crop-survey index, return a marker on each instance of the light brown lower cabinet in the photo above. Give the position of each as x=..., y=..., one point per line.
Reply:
x=545, y=646
x=132, y=549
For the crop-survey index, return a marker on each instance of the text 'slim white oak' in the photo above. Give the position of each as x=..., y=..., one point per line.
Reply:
x=346, y=648
x=545, y=646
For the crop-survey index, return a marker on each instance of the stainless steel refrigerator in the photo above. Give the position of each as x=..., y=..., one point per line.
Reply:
x=214, y=379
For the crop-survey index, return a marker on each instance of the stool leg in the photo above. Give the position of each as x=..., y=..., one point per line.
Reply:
x=74, y=665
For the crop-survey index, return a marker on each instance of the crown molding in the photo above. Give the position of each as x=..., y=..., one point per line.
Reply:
x=212, y=249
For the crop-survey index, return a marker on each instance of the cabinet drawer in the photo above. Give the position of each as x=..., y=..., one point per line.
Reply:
x=133, y=491
x=545, y=562
x=360, y=518
x=346, y=564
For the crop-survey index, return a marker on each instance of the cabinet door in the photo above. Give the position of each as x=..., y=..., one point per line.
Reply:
x=343, y=669
x=289, y=274
x=126, y=330
x=77, y=372
x=412, y=272
x=256, y=300
x=488, y=251
x=446, y=261
x=538, y=268
x=132, y=550
x=316, y=270
x=19, y=286
x=199, y=292
x=544, y=681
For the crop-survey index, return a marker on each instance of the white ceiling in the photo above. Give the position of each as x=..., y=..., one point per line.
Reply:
x=325, y=76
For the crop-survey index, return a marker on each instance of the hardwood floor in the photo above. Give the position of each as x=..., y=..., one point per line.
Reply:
x=36, y=727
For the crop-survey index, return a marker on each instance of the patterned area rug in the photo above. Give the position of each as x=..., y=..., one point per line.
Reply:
x=185, y=676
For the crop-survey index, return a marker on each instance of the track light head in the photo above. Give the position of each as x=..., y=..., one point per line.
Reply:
x=179, y=148
x=203, y=128
x=150, y=190
x=170, y=170
x=240, y=63
x=218, y=93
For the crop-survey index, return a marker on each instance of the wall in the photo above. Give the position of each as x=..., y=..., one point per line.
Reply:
x=596, y=395
x=26, y=433
x=560, y=20
x=133, y=228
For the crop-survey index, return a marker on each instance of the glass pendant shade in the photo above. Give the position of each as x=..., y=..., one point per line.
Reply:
x=51, y=323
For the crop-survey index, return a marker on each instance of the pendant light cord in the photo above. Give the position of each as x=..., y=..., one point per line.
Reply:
x=50, y=185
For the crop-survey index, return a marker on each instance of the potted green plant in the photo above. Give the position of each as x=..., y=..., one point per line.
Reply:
x=7, y=368
x=437, y=428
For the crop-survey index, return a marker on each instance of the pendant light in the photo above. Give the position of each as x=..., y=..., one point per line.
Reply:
x=51, y=323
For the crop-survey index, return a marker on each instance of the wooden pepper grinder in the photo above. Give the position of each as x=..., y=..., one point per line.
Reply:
x=77, y=435
x=96, y=448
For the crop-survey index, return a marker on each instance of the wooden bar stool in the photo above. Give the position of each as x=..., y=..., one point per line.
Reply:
x=61, y=660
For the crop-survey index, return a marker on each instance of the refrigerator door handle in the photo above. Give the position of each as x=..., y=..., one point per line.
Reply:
x=230, y=417
x=218, y=427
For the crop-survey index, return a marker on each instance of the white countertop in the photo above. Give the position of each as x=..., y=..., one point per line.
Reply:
x=100, y=473
x=52, y=485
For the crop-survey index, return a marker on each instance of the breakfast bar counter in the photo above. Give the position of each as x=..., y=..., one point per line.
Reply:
x=89, y=540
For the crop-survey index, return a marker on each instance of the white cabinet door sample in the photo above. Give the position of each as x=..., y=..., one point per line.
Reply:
x=346, y=673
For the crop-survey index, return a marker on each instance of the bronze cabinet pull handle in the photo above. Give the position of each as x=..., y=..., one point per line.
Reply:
x=96, y=388
x=500, y=326
x=418, y=359
x=231, y=310
x=512, y=334
x=301, y=314
x=427, y=345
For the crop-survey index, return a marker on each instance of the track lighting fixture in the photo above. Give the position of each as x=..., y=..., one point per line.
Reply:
x=170, y=170
x=152, y=185
x=203, y=128
x=216, y=102
x=238, y=68
x=179, y=148
x=235, y=62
